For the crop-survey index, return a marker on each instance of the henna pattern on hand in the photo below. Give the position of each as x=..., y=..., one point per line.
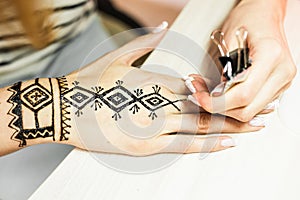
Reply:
x=116, y=98
x=30, y=101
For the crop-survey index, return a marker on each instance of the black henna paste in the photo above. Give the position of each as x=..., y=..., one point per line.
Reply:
x=116, y=98
x=35, y=97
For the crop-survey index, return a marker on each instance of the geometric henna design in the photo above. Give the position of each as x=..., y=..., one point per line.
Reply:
x=64, y=107
x=35, y=97
x=117, y=99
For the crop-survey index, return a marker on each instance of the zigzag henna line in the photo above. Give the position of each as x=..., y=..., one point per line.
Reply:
x=35, y=97
x=63, y=87
x=14, y=111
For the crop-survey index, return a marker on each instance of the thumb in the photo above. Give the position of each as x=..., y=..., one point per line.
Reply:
x=140, y=46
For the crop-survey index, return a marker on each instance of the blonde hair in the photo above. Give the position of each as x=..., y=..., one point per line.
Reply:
x=34, y=21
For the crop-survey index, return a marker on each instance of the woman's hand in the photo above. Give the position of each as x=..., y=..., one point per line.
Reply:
x=272, y=67
x=110, y=106
x=136, y=112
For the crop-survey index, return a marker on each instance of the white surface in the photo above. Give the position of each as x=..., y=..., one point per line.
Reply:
x=265, y=165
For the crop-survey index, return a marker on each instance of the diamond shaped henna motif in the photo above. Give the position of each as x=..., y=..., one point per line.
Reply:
x=78, y=97
x=35, y=97
x=118, y=98
x=154, y=101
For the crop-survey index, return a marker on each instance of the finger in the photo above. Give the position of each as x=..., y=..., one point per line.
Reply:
x=270, y=106
x=266, y=95
x=237, y=112
x=140, y=46
x=188, y=107
x=199, y=87
x=239, y=96
x=205, y=123
x=262, y=67
x=193, y=144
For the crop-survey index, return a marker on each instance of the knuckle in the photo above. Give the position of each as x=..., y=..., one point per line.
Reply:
x=276, y=46
x=204, y=122
x=244, y=98
x=245, y=116
x=273, y=43
x=207, y=108
x=138, y=147
x=291, y=72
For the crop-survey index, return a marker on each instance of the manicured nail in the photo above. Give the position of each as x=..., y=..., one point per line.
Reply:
x=161, y=27
x=190, y=85
x=228, y=142
x=258, y=121
x=192, y=99
x=188, y=78
x=271, y=106
x=185, y=78
x=217, y=91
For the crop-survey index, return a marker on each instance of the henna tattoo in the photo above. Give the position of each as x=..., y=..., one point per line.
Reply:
x=64, y=109
x=29, y=101
x=117, y=99
x=32, y=99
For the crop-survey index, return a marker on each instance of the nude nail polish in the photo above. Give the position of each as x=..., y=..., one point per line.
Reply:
x=185, y=78
x=192, y=99
x=161, y=27
x=273, y=105
x=188, y=78
x=190, y=85
x=258, y=121
x=228, y=142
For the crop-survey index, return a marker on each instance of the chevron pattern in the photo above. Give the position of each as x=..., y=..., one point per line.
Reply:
x=64, y=107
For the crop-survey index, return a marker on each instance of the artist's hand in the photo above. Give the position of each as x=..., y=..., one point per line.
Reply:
x=144, y=121
x=272, y=67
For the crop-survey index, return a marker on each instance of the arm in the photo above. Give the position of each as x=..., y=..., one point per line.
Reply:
x=28, y=111
x=111, y=107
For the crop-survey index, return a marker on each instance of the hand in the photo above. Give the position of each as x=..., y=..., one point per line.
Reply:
x=272, y=67
x=144, y=125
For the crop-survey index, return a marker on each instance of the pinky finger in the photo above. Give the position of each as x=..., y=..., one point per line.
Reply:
x=194, y=144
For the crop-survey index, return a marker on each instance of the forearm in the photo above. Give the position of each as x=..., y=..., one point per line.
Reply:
x=32, y=113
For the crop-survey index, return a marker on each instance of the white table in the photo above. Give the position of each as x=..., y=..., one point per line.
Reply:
x=264, y=165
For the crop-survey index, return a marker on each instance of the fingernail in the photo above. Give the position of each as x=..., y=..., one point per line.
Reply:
x=241, y=76
x=217, y=91
x=188, y=78
x=258, y=121
x=271, y=106
x=228, y=142
x=185, y=78
x=192, y=99
x=190, y=85
x=161, y=27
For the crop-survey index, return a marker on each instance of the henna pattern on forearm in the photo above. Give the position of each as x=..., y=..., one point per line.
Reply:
x=116, y=98
x=30, y=101
x=64, y=109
